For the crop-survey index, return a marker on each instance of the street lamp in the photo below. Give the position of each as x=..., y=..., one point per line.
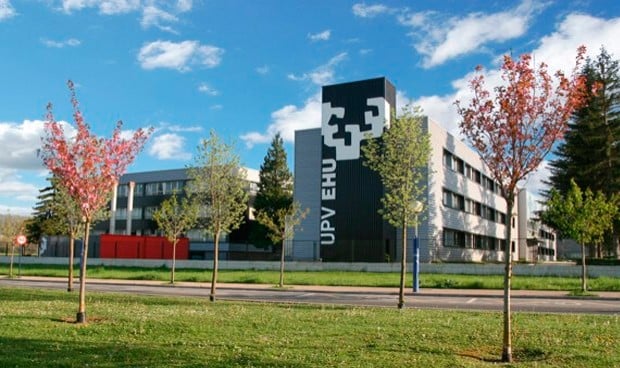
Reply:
x=417, y=208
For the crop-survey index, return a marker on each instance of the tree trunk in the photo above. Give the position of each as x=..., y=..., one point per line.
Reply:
x=507, y=343
x=11, y=263
x=71, y=256
x=174, y=260
x=81, y=314
x=281, y=284
x=403, y=269
x=216, y=251
x=584, y=286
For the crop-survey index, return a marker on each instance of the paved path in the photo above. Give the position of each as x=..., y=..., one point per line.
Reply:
x=470, y=299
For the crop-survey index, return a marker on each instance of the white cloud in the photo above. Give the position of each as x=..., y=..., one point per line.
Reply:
x=107, y=7
x=370, y=11
x=262, y=69
x=441, y=40
x=14, y=188
x=205, y=88
x=559, y=48
x=71, y=42
x=323, y=74
x=180, y=56
x=169, y=146
x=321, y=36
x=6, y=10
x=287, y=120
x=155, y=17
x=19, y=145
x=184, y=5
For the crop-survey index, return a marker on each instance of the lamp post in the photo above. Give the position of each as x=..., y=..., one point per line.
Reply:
x=417, y=208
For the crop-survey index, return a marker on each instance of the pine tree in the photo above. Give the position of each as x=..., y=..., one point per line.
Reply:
x=590, y=153
x=275, y=190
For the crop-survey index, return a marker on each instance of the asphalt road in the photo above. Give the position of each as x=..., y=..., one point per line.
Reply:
x=487, y=300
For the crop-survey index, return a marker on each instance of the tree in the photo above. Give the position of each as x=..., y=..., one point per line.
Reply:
x=401, y=157
x=10, y=227
x=582, y=216
x=275, y=190
x=88, y=167
x=174, y=219
x=590, y=153
x=217, y=184
x=281, y=226
x=513, y=129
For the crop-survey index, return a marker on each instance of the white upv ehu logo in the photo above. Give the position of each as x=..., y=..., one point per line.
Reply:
x=376, y=116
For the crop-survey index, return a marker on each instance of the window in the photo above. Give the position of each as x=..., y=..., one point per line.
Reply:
x=453, y=238
x=447, y=160
x=148, y=212
x=459, y=166
x=138, y=191
x=122, y=190
x=136, y=214
x=121, y=213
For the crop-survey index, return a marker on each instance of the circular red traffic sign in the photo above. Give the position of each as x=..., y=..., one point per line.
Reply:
x=21, y=239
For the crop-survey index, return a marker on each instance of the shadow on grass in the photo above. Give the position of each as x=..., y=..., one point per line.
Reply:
x=493, y=355
x=51, y=353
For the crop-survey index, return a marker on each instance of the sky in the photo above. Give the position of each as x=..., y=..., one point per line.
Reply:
x=251, y=69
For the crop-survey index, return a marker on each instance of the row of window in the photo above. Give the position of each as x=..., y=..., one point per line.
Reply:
x=136, y=214
x=457, y=164
x=152, y=189
x=546, y=235
x=461, y=239
x=459, y=202
x=543, y=251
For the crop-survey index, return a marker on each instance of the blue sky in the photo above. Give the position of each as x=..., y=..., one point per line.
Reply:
x=249, y=69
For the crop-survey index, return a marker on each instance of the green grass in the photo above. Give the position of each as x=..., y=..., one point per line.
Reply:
x=330, y=278
x=36, y=330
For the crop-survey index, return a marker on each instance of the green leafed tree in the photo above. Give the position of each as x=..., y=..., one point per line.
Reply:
x=174, y=218
x=401, y=157
x=281, y=226
x=275, y=191
x=590, y=153
x=218, y=186
x=582, y=216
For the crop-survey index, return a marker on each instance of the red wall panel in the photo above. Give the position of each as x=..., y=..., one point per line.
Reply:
x=141, y=247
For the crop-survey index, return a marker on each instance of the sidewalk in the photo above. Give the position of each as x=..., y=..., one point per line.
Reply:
x=473, y=293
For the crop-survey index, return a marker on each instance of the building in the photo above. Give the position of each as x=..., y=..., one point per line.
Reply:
x=537, y=242
x=463, y=216
x=138, y=195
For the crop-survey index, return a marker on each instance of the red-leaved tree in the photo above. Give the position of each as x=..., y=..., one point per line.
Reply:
x=88, y=167
x=513, y=128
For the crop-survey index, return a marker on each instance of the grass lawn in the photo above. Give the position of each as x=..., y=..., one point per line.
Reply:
x=36, y=330
x=330, y=278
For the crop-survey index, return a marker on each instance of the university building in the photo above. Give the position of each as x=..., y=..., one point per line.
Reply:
x=463, y=215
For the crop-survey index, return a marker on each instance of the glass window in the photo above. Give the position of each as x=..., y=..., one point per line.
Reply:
x=136, y=214
x=121, y=213
x=122, y=190
x=148, y=212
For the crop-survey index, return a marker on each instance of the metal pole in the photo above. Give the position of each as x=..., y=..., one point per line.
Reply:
x=19, y=269
x=416, y=259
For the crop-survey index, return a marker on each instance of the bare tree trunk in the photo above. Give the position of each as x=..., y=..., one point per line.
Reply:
x=81, y=314
x=71, y=256
x=281, y=284
x=403, y=269
x=174, y=260
x=11, y=263
x=584, y=286
x=216, y=251
x=507, y=341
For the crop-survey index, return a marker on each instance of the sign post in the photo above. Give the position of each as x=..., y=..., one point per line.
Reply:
x=21, y=241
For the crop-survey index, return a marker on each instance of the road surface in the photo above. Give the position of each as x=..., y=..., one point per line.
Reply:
x=454, y=299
